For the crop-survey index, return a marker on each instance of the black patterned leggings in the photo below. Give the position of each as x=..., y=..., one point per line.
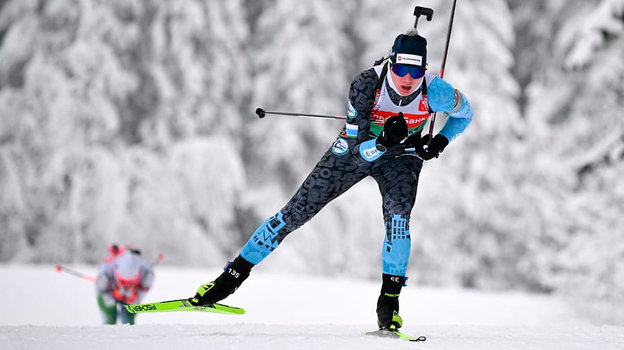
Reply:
x=397, y=177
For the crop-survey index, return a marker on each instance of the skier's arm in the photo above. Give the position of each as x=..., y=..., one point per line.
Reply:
x=103, y=280
x=147, y=279
x=361, y=98
x=444, y=98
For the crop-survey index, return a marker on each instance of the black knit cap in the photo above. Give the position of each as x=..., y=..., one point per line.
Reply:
x=410, y=50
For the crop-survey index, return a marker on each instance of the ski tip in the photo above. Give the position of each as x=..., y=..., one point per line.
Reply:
x=229, y=309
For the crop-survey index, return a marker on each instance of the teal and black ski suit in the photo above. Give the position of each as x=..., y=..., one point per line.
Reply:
x=353, y=156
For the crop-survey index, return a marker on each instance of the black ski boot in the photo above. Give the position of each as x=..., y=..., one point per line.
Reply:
x=234, y=273
x=388, y=302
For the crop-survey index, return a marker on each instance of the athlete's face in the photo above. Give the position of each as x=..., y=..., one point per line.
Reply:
x=405, y=84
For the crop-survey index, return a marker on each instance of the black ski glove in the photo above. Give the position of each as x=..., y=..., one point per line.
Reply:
x=415, y=141
x=394, y=131
x=434, y=146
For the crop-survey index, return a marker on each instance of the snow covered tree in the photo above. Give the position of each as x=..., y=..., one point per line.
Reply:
x=298, y=59
x=58, y=108
x=96, y=97
x=578, y=100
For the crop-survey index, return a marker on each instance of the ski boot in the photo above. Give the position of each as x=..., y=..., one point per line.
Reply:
x=234, y=273
x=388, y=302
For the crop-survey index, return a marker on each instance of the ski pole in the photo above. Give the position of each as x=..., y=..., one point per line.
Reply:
x=446, y=47
x=60, y=268
x=262, y=113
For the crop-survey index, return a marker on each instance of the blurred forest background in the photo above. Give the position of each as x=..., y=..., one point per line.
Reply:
x=132, y=121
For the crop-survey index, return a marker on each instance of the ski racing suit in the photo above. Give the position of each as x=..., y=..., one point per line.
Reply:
x=354, y=156
x=122, y=281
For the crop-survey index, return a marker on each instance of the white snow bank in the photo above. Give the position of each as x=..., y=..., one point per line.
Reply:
x=41, y=309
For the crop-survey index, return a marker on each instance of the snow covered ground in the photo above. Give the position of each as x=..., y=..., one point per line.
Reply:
x=41, y=309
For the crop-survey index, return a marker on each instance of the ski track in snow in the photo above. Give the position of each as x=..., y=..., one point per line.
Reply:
x=41, y=309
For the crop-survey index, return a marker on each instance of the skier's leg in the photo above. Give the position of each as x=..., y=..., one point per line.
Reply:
x=126, y=317
x=108, y=308
x=397, y=180
x=332, y=176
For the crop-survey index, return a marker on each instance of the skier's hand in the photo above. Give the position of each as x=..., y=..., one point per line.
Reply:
x=415, y=141
x=431, y=147
x=394, y=131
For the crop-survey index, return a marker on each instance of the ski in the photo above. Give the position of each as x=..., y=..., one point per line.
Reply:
x=183, y=305
x=386, y=333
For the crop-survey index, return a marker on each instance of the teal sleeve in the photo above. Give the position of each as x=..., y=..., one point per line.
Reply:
x=444, y=98
x=441, y=95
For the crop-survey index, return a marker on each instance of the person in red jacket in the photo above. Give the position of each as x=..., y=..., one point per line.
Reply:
x=122, y=280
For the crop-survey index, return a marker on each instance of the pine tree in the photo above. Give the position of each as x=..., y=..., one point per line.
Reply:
x=584, y=137
x=101, y=100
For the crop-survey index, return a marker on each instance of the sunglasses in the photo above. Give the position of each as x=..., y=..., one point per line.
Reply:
x=401, y=70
